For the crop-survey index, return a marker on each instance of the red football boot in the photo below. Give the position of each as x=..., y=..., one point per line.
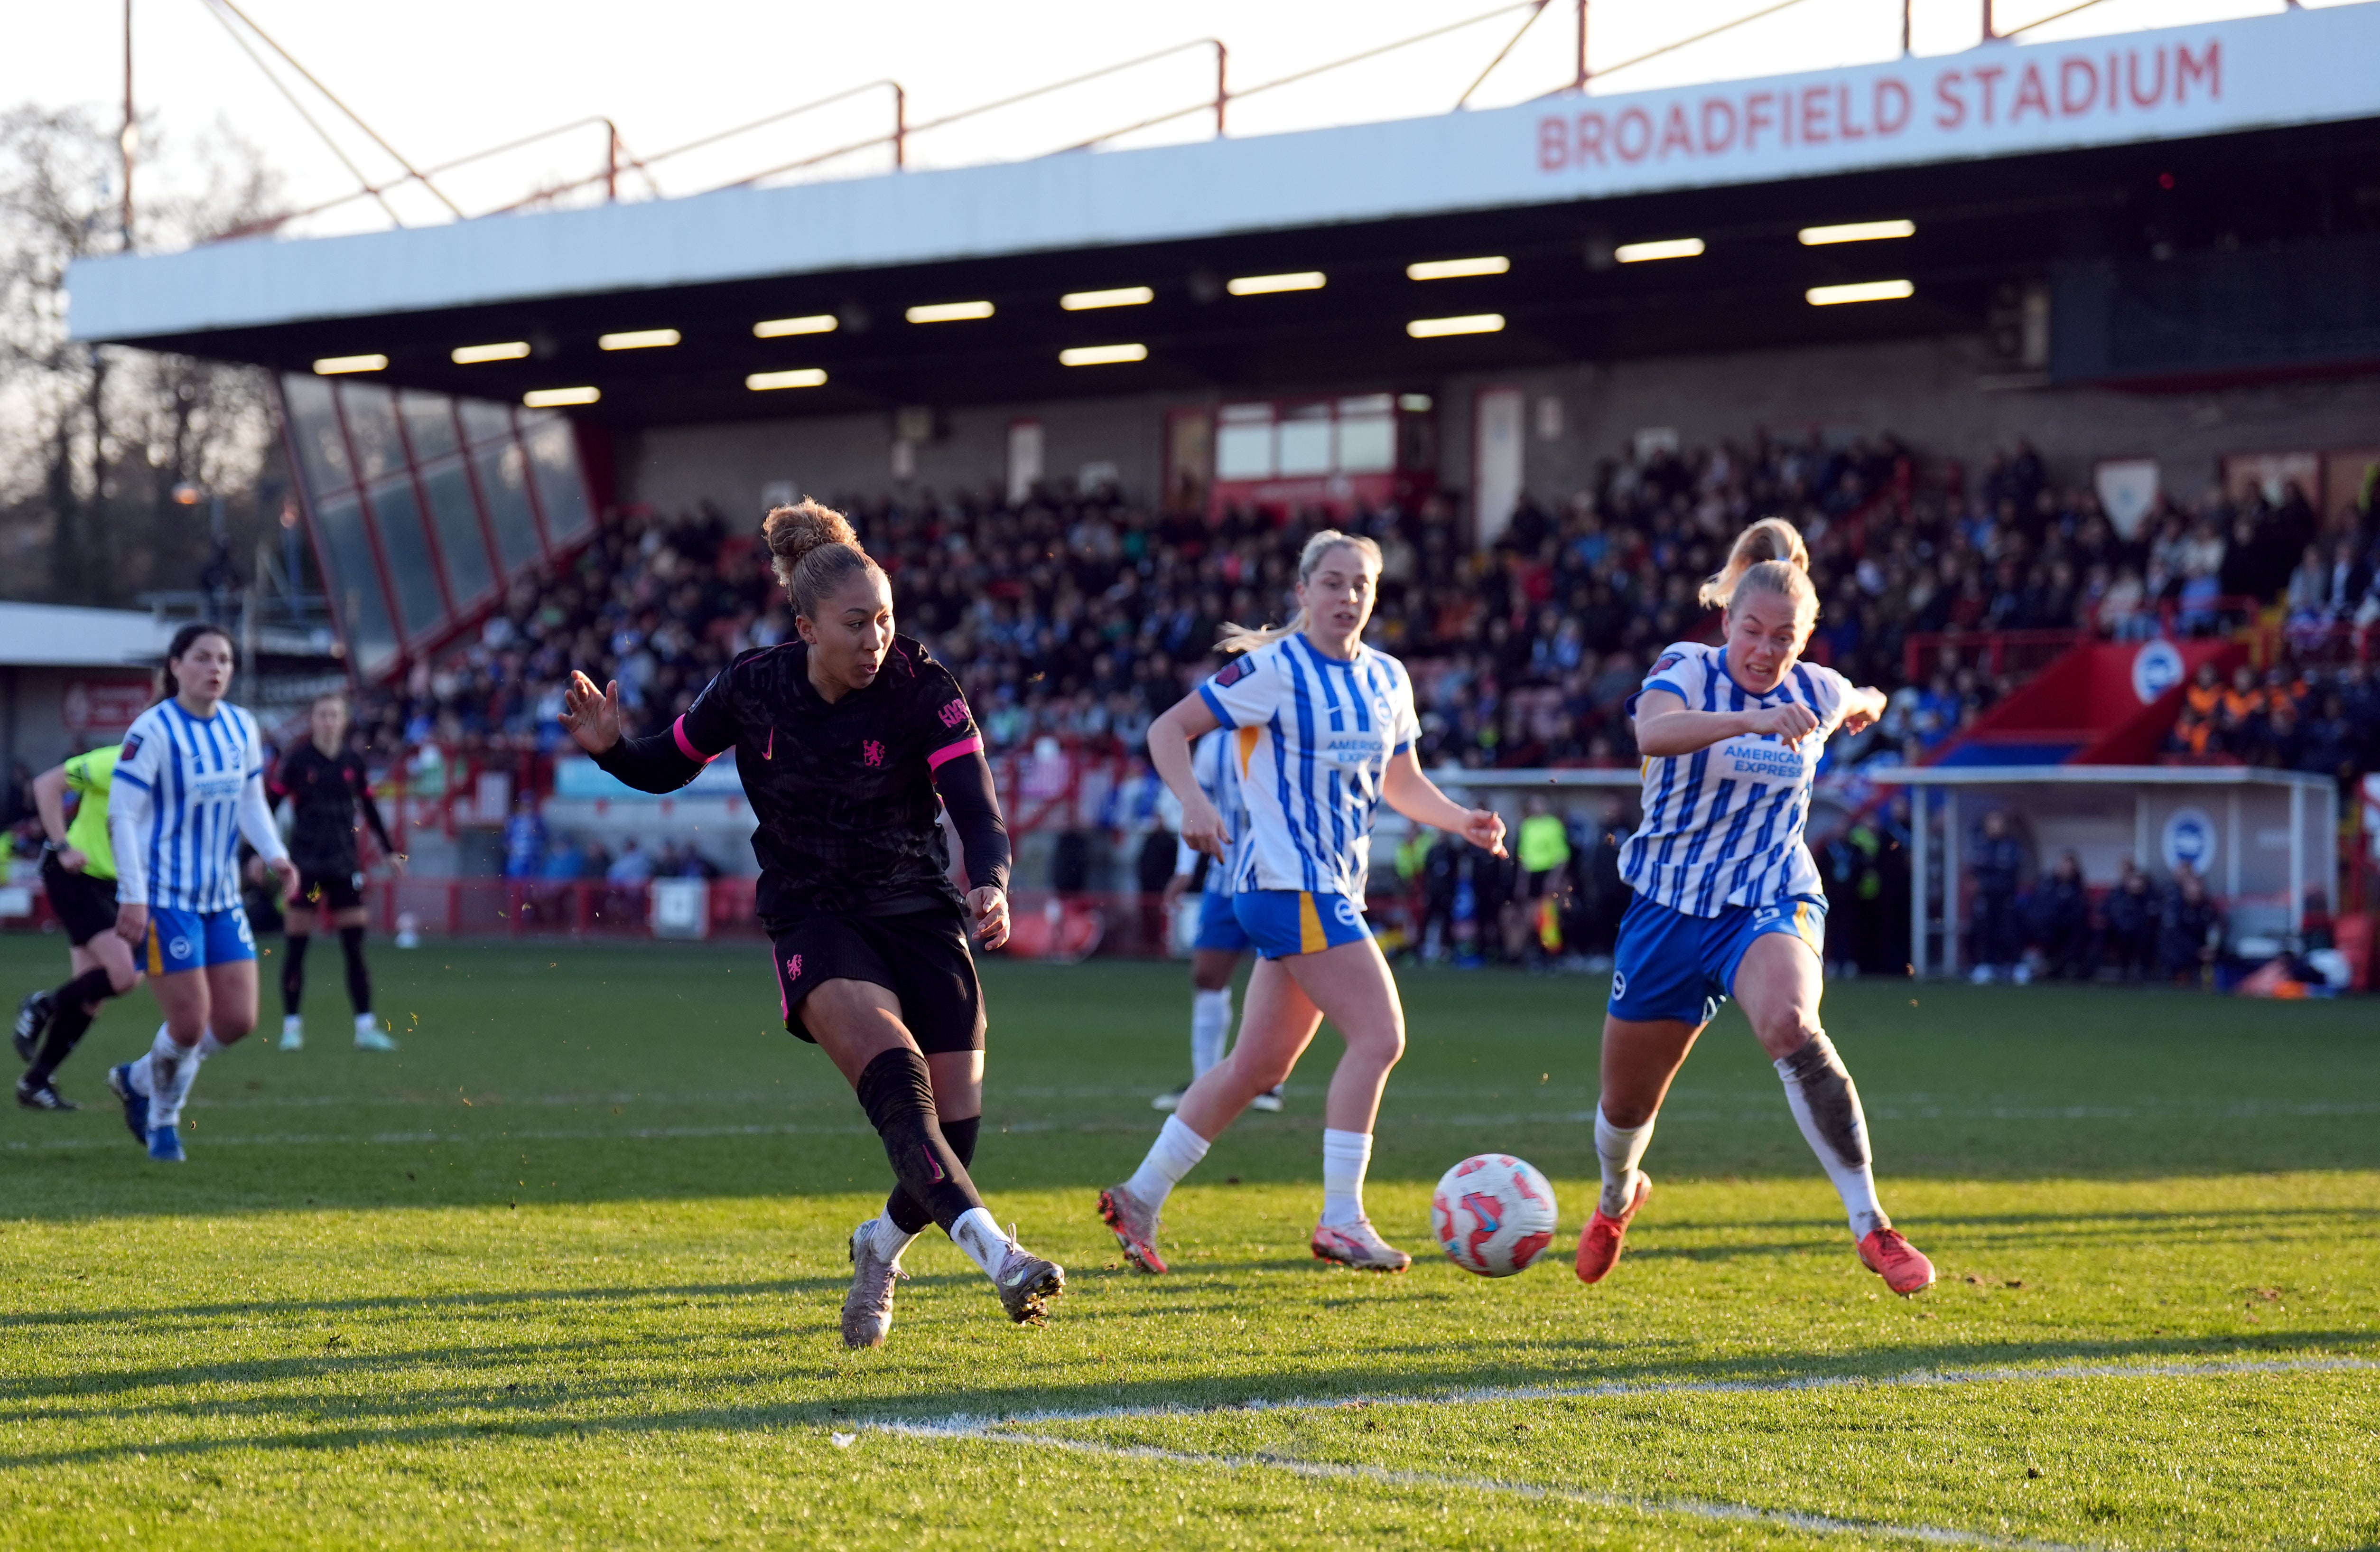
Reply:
x=1903, y=1268
x=1598, y=1242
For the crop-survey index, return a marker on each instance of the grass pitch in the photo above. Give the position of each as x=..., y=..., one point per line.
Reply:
x=565, y=1271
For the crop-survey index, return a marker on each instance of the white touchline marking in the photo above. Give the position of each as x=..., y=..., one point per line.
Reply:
x=1014, y=1430
x=1699, y=1509
x=970, y=1423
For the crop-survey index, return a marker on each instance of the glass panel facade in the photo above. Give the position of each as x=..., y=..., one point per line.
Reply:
x=1367, y=444
x=455, y=515
x=429, y=423
x=561, y=486
x=492, y=479
x=372, y=428
x=314, y=427
x=484, y=420
x=503, y=485
x=355, y=582
x=397, y=515
x=1244, y=451
x=1305, y=440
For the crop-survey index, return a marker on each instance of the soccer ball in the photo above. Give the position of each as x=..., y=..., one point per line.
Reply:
x=1493, y=1214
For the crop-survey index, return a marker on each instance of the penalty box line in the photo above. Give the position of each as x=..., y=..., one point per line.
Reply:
x=972, y=1425
x=1383, y=1476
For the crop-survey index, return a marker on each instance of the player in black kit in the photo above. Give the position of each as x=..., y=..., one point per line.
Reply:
x=324, y=784
x=849, y=741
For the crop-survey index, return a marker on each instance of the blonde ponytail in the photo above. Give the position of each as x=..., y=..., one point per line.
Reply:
x=1247, y=638
x=1770, y=540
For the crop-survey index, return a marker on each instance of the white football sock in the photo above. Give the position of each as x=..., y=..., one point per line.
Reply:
x=1345, y=1156
x=1825, y=1105
x=1174, y=1153
x=986, y=1245
x=1210, y=1029
x=141, y=1072
x=888, y=1239
x=165, y=1100
x=293, y=1023
x=1619, y=1150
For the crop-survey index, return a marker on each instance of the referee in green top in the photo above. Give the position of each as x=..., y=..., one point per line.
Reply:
x=79, y=872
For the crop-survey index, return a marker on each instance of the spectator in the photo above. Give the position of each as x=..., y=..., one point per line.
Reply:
x=631, y=867
x=524, y=839
x=1543, y=850
x=1993, y=861
x=2133, y=916
x=2189, y=930
x=2201, y=709
x=2061, y=919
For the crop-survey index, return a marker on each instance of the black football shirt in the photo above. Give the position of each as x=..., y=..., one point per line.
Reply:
x=848, y=821
x=324, y=791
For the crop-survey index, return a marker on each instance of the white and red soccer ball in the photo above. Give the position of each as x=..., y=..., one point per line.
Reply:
x=1493, y=1214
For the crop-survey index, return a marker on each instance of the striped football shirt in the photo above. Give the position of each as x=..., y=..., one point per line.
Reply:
x=1325, y=729
x=192, y=774
x=1723, y=824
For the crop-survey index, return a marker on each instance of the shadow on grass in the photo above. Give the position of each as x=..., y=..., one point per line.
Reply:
x=537, y=1409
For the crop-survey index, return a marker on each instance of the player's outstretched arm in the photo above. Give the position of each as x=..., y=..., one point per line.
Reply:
x=1664, y=725
x=1417, y=797
x=592, y=720
x=1170, y=738
x=1863, y=707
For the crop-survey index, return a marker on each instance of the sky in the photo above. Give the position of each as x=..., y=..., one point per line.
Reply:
x=442, y=78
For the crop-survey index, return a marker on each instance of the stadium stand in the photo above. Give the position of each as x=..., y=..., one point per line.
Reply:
x=1080, y=617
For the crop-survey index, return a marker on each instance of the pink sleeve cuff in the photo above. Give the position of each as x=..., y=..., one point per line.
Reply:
x=971, y=744
x=677, y=731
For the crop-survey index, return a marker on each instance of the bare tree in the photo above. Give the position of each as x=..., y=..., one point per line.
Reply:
x=94, y=440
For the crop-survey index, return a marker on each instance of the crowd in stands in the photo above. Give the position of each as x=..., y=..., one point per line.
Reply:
x=1081, y=617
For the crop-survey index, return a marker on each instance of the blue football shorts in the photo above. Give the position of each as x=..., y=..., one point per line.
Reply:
x=180, y=940
x=1670, y=965
x=1218, y=927
x=1283, y=924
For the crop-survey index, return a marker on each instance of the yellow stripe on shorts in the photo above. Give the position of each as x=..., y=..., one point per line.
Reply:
x=1309, y=926
x=156, y=951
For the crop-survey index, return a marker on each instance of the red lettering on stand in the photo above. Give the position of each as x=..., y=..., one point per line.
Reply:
x=1844, y=125
x=1714, y=141
x=1643, y=123
x=1988, y=76
x=1553, y=145
x=2068, y=72
x=2133, y=80
x=1676, y=131
x=1814, y=116
x=2030, y=92
x=2208, y=70
x=1953, y=112
x=1756, y=118
x=1590, y=139
x=1892, y=106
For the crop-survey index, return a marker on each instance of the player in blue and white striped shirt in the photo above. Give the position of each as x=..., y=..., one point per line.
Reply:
x=1215, y=951
x=189, y=784
x=1334, y=730
x=1727, y=900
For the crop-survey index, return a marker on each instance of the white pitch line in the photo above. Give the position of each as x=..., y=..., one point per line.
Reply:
x=1800, y=1520
x=959, y=1424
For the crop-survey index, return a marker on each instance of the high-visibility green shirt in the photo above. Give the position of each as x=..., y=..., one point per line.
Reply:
x=91, y=776
x=1545, y=843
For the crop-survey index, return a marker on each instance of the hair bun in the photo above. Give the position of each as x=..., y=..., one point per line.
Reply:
x=793, y=531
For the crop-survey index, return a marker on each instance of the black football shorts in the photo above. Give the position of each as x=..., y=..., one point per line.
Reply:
x=920, y=956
